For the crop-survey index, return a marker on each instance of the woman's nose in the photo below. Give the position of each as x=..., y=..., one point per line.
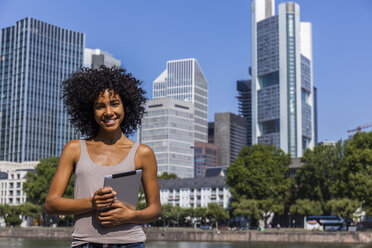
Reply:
x=109, y=111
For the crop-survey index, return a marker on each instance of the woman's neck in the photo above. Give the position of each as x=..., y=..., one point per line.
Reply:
x=108, y=138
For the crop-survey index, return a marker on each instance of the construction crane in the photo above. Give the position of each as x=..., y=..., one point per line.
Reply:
x=359, y=128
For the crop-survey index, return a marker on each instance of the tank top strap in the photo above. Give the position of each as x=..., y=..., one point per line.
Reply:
x=131, y=155
x=83, y=150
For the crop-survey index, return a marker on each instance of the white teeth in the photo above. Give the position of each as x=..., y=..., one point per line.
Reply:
x=109, y=121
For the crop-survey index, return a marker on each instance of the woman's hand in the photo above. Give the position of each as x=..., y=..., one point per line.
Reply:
x=117, y=215
x=103, y=198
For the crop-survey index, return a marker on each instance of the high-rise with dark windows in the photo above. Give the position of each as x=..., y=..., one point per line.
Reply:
x=229, y=136
x=35, y=57
x=245, y=105
x=282, y=78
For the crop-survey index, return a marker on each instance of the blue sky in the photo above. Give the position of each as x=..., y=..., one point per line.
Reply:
x=145, y=34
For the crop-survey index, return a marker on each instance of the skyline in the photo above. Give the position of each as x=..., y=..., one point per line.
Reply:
x=217, y=34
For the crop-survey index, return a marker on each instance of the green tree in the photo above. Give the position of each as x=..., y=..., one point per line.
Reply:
x=250, y=209
x=141, y=203
x=166, y=213
x=167, y=176
x=13, y=215
x=319, y=178
x=30, y=210
x=260, y=173
x=186, y=215
x=217, y=213
x=358, y=170
x=200, y=214
x=306, y=207
x=4, y=210
x=37, y=184
x=178, y=215
x=343, y=207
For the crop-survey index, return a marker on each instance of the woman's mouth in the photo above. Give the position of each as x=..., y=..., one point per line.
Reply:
x=110, y=121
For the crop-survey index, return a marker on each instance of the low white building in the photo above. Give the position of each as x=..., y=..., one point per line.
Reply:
x=194, y=192
x=12, y=177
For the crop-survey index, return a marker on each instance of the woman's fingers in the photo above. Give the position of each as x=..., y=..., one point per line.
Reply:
x=105, y=190
x=103, y=198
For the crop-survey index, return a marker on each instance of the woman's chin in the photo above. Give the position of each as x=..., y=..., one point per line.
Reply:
x=111, y=129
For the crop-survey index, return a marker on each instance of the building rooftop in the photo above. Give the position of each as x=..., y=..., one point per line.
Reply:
x=216, y=171
x=195, y=183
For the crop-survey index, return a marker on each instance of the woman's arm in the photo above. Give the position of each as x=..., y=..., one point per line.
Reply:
x=56, y=204
x=120, y=214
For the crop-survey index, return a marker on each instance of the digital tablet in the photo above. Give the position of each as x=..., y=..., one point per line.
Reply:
x=126, y=185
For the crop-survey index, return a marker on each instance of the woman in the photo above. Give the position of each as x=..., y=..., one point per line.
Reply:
x=104, y=105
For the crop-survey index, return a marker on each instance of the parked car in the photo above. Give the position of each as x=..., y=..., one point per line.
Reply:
x=206, y=227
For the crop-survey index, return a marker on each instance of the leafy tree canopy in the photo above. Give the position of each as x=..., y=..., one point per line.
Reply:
x=358, y=170
x=319, y=177
x=11, y=214
x=166, y=212
x=30, y=210
x=217, y=213
x=247, y=208
x=343, y=207
x=200, y=213
x=37, y=184
x=167, y=176
x=306, y=207
x=338, y=171
x=260, y=173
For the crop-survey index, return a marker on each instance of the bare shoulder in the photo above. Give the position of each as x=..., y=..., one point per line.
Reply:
x=72, y=145
x=144, y=151
x=72, y=150
x=145, y=158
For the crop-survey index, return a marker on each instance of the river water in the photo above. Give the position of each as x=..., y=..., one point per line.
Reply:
x=38, y=243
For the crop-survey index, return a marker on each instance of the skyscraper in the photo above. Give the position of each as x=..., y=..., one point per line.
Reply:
x=245, y=105
x=94, y=58
x=282, y=81
x=167, y=127
x=230, y=136
x=184, y=80
x=35, y=58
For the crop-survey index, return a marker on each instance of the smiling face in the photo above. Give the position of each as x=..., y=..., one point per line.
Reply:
x=108, y=111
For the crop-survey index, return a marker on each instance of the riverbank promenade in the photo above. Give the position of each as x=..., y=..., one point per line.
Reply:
x=188, y=234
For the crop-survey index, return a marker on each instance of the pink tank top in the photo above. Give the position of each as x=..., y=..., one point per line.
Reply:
x=89, y=177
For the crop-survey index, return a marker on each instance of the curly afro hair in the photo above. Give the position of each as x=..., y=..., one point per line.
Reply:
x=82, y=88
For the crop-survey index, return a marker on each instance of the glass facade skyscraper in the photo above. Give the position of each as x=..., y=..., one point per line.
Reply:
x=245, y=105
x=35, y=57
x=184, y=80
x=282, y=81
